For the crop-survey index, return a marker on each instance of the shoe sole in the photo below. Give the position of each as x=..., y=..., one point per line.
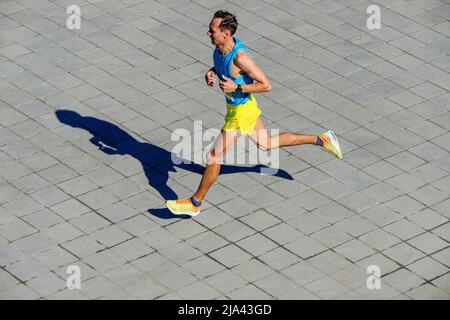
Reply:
x=335, y=144
x=188, y=213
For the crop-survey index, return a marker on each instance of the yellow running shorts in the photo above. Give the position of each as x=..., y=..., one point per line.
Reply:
x=242, y=117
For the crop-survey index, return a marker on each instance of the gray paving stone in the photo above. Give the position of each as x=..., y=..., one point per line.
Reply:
x=15, y=229
x=428, y=195
x=104, y=260
x=381, y=192
x=252, y=270
x=203, y=266
x=5, y=216
x=132, y=249
x=111, y=236
x=70, y=209
x=442, y=256
x=428, y=172
x=126, y=275
x=427, y=268
x=279, y=258
x=379, y=239
x=176, y=278
x=442, y=282
x=428, y=219
x=234, y=231
x=282, y=233
x=77, y=186
x=305, y=247
x=50, y=196
x=331, y=236
x=309, y=223
x=247, y=291
x=8, y=192
x=57, y=173
x=213, y=217
x=84, y=164
x=326, y=288
x=428, y=151
x=385, y=293
x=230, y=256
x=153, y=264
x=8, y=280
x=237, y=207
x=83, y=246
x=428, y=292
x=198, y=291
x=329, y=262
x=285, y=210
x=10, y=254
x=405, y=182
x=354, y=250
x=26, y=269
x=311, y=199
x=357, y=202
x=34, y=243
x=356, y=226
x=385, y=264
x=256, y=244
x=46, y=284
x=442, y=184
x=180, y=253
x=428, y=243
x=403, y=280
x=383, y=147
x=404, y=229
x=225, y=281
x=42, y=219
x=352, y=276
x=19, y=292
x=357, y=180
x=260, y=220
x=207, y=242
x=98, y=287
x=262, y=197
x=276, y=284
x=55, y=258
x=90, y=222
x=138, y=225
x=141, y=202
x=403, y=253
x=160, y=238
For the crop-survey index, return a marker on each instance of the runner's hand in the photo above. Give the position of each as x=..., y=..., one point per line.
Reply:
x=210, y=78
x=227, y=85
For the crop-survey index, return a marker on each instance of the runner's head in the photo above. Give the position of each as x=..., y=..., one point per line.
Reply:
x=222, y=27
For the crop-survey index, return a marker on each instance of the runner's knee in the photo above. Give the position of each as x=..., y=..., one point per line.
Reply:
x=264, y=144
x=211, y=158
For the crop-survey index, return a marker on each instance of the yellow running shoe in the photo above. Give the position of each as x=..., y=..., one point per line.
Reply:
x=183, y=207
x=331, y=143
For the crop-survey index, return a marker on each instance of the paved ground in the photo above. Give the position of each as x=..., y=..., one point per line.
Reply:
x=134, y=72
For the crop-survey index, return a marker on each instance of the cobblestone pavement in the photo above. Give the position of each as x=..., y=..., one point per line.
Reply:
x=134, y=73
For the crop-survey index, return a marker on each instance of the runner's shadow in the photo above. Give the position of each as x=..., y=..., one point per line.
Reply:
x=156, y=162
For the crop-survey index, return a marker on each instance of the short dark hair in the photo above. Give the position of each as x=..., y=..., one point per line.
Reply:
x=229, y=21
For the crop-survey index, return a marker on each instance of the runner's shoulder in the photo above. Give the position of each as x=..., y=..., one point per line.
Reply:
x=242, y=58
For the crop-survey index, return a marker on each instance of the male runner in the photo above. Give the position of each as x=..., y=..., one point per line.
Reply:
x=240, y=78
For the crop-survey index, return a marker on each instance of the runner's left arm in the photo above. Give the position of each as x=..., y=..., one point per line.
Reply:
x=261, y=82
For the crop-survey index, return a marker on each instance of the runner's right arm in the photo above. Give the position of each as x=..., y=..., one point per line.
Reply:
x=210, y=77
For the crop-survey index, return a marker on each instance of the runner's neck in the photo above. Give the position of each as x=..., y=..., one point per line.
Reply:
x=226, y=48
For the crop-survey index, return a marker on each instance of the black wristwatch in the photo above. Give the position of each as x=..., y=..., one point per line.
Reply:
x=238, y=89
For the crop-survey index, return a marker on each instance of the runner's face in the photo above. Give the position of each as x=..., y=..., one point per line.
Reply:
x=217, y=36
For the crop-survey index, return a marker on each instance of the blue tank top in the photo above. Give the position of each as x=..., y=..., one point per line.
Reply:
x=222, y=64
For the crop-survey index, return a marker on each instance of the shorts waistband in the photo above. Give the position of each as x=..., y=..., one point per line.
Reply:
x=250, y=99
